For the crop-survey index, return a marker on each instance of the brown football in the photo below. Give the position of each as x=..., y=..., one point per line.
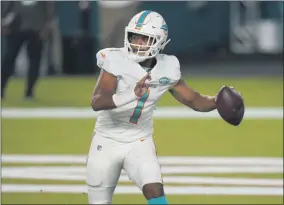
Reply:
x=230, y=106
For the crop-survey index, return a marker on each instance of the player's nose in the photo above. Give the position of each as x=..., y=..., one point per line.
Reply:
x=140, y=40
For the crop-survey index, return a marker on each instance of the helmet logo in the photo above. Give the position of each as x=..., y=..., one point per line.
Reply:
x=165, y=28
x=141, y=19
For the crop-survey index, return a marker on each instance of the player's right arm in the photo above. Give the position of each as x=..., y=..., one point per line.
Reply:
x=103, y=92
x=105, y=96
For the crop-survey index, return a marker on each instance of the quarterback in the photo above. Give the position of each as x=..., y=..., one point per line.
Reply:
x=131, y=82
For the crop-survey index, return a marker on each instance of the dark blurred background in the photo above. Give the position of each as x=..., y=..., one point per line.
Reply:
x=212, y=38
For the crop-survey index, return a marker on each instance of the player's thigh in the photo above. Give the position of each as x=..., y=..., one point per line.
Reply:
x=142, y=163
x=103, y=170
x=103, y=163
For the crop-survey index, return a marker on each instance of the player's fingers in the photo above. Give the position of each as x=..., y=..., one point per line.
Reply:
x=145, y=85
x=222, y=88
x=147, y=76
x=138, y=85
x=236, y=90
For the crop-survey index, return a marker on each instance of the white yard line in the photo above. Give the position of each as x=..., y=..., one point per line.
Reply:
x=67, y=174
x=170, y=165
x=160, y=113
x=165, y=169
x=184, y=190
x=164, y=160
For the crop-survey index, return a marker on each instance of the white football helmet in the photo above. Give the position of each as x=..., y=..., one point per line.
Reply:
x=152, y=25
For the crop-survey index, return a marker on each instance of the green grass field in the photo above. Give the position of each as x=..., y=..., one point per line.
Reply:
x=77, y=91
x=173, y=137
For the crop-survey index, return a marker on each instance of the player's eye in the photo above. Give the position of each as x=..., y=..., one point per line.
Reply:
x=135, y=37
x=145, y=38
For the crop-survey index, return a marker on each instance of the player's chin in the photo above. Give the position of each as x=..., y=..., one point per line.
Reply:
x=140, y=52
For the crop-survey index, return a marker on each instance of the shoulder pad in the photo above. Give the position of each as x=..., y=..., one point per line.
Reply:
x=172, y=66
x=107, y=58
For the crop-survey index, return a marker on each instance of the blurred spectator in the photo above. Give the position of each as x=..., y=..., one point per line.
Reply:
x=112, y=32
x=79, y=39
x=24, y=22
x=85, y=41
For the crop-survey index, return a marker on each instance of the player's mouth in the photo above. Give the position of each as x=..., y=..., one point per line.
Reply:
x=140, y=51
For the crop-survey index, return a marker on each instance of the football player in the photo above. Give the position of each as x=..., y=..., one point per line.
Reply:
x=131, y=82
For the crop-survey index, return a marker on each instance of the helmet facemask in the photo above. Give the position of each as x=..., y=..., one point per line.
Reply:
x=139, y=53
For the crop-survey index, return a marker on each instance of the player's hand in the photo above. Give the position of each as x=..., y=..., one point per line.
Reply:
x=236, y=91
x=141, y=87
x=233, y=90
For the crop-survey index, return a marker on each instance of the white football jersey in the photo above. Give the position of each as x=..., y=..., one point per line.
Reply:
x=134, y=120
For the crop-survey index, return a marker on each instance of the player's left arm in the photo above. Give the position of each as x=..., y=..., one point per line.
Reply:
x=191, y=98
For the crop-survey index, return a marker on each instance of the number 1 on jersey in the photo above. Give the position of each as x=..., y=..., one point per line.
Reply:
x=139, y=107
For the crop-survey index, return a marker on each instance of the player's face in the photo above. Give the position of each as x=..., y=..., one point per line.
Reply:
x=140, y=43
